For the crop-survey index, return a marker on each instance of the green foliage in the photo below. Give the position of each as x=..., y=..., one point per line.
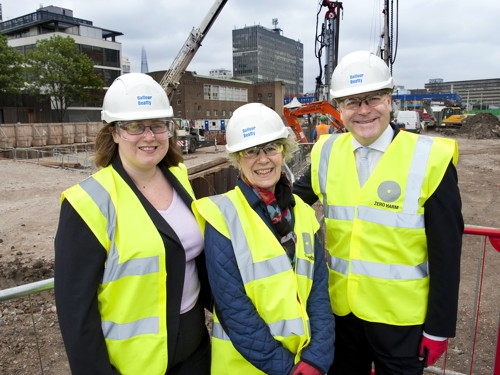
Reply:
x=11, y=68
x=56, y=68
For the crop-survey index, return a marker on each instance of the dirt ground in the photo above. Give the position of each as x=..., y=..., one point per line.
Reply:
x=30, y=342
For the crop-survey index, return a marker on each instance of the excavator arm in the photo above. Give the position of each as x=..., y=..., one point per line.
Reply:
x=321, y=106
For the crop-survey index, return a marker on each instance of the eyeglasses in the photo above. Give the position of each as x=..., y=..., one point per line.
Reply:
x=158, y=128
x=371, y=100
x=270, y=149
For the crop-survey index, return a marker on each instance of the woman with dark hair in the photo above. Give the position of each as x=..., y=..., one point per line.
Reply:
x=130, y=279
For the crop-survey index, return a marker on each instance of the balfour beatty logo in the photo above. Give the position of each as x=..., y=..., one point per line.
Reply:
x=248, y=132
x=356, y=78
x=144, y=100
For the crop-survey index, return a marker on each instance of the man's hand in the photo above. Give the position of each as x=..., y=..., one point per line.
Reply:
x=431, y=350
x=303, y=368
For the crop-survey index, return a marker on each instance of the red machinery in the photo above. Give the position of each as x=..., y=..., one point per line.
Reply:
x=322, y=106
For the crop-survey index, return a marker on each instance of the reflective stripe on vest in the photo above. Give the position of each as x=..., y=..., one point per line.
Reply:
x=283, y=328
x=115, y=270
x=249, y=270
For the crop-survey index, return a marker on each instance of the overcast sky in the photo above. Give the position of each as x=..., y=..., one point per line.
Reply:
x=452, y=40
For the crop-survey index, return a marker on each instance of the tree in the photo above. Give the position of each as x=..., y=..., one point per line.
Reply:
x=57, y=69
x=11, y=68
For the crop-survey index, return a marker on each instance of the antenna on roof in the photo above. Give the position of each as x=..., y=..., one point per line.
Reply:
x=275, y=24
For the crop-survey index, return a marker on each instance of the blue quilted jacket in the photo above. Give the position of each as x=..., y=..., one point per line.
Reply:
x=248, y=332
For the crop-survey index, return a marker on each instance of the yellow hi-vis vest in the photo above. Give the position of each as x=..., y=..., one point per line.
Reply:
x=375, y=236
x=278, y=292
x=132, y=297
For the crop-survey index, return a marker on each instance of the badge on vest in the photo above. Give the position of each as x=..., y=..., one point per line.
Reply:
x=388, y=191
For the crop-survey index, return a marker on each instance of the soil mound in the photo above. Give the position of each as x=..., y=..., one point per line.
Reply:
x=481, y=126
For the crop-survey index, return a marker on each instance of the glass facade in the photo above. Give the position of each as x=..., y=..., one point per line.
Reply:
x=262, y=55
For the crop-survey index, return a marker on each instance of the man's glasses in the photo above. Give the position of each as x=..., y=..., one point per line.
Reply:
x=157, y=127
x=270, y=149
x=371, y=100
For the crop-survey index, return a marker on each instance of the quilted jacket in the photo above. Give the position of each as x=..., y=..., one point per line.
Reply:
x=248, y=332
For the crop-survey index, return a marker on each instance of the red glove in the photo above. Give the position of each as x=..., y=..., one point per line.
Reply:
x=430, y=350
x=303, y=368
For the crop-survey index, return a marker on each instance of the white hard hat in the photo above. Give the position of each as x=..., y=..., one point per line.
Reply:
x=360, y=72
x=135, y=96
x=253, y=124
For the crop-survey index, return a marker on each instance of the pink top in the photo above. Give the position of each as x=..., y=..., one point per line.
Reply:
x=182, y=221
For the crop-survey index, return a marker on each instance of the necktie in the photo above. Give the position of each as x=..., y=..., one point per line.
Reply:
x=363, y=168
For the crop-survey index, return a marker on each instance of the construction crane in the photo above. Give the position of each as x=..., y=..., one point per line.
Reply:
x=171, y=79
x=327, y=40
x=189, y=138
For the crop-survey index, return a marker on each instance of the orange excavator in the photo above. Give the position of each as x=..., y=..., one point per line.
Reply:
x=322, y=106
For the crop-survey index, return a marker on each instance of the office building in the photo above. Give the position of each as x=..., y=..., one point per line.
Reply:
x=200, y=97
x=480, y=93
x=263, y=55
x=97, y=43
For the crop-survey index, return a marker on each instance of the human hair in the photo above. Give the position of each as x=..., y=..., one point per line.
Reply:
x=289, y=145
x=106, y=149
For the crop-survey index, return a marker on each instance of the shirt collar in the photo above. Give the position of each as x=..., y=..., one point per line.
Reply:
x=380, y=144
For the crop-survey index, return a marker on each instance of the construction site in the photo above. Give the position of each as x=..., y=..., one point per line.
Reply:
x=38, y=161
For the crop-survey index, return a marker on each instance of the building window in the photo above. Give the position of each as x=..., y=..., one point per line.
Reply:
x=270, y=96
x=215, y=112
x=208, y=112
x=259, y=98
x=206, y=92
x=179, y=101
x=222, y=93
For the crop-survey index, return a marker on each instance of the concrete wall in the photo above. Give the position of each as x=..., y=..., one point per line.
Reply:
x=27, y=135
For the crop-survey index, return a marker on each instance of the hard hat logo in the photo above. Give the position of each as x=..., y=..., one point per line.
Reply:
x=248, y=132
x=144, y=100
x=356, y=78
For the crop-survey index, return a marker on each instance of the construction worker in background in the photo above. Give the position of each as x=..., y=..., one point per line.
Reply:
x=264, y=260
x=322, y=129
x=394, y=228
x=130, y=277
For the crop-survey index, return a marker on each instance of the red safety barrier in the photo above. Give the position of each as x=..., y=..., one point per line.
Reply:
x=493, y=234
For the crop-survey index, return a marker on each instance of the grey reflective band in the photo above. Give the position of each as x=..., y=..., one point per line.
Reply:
x=340, y=212
x=417, y=173
x=324, y=160
x=219, y=333
x=390, y=218
x=115, y=331
x=390, y=271
x=338, y=264
x=115, y=270
x=305, y=267
x=379, y=270
x=249, y=269
x=281, y=328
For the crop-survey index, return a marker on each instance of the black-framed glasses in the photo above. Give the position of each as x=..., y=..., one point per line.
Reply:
x=157, y=127
x=270, y=149
x=371, y=100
